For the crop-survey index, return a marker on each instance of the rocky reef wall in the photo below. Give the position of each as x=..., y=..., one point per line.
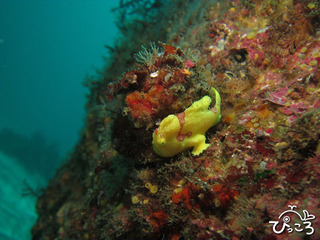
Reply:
x=262, y=154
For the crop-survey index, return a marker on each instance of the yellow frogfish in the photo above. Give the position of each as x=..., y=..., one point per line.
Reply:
x=187, y=129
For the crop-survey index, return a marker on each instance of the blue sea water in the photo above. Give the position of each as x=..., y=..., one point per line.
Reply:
x=46, y=50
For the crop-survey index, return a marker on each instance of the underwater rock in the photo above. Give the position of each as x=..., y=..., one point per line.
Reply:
x=263, y=58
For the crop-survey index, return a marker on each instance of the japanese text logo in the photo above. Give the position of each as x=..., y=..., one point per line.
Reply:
x=291, y=220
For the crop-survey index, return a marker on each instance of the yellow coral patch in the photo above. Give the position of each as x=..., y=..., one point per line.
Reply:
x=135, y=199
x=154, y=189
x=148, y=185
x=177, y=190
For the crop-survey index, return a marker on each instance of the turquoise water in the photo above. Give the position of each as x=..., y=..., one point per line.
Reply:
x=46, y=50
x=17, y=212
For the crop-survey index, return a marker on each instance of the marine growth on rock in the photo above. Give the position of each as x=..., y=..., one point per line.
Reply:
x=152, y=162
